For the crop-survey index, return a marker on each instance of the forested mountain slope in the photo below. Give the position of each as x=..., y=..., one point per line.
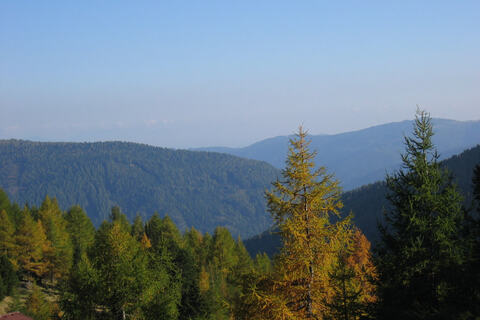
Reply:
x=368, y=202
x=200, y=189
x=361, y=157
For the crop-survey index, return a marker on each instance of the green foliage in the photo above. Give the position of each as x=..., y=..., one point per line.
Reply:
x=79, y=293
x=4, y=201
x=420, y=249
x=7, y=230
x=469, y=276
x=8, y=277
x=138, y=228
x=120, y=266
x=38, y=307
x=81, y=231
x=201, y=189
x=262, y=263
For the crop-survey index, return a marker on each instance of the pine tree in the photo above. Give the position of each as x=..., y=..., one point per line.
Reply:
x=305, y=207
x=420, y=250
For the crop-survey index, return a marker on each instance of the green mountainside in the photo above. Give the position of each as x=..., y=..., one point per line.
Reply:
x=363, y=156
x=368, y=202
x=200, y=189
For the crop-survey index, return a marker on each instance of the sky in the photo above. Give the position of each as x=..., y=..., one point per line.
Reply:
x=187, y=74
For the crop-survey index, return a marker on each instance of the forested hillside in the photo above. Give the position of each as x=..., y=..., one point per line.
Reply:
x=368, y=202
x=200, y=189
x=55, y=264
x=363, y=156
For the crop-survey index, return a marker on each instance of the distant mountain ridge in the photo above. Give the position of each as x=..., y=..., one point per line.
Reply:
x=200, y=189
x=368, y=202
x=363, y=156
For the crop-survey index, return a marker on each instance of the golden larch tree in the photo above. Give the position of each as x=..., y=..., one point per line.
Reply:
x=305, y=205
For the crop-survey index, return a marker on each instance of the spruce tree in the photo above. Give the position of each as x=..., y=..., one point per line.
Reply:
x=470, y=291
x=420, y=250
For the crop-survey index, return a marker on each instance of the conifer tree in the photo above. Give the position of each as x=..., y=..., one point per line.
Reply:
x=61, y=257
x=352, y=280
x=262, y=263
x=7, y=230
x=79, y=297
x=469, y=292
x=81, y=231
x=305, y=207
x=8, y=277
x=420, y=251
x=32, y=246
x=37, y=305
x=121, y=269
x=138, y=228
x=4, y=201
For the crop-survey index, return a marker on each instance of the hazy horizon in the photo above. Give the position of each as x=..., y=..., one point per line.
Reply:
x=186, y=75
x=220, y=146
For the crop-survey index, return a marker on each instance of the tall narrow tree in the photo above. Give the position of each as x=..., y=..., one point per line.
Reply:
x=420, y=249
x=305, y=207
x=52, y=218
x=81, y=231
x=32, y=246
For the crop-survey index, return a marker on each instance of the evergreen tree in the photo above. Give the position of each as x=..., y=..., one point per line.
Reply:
x=79, y=298
x=153, y=229
x=8, y=277
x=121, y=269
x=305, y=207
x=420, y=251
x=81, y=231
x=469, y=292
x=116, y=215
x=138, y=228
x=262, y=263
x=4, y=201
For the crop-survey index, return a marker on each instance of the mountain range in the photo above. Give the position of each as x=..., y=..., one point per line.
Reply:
x=364, y=156
x=207, y=189
x=200, y=189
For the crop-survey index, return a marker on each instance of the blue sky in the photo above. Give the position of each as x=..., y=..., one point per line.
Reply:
x=202, y=73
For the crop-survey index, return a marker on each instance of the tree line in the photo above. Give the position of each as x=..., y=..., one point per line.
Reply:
x=426, y=265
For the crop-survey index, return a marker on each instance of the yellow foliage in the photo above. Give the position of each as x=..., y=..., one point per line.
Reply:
x=304, y=206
